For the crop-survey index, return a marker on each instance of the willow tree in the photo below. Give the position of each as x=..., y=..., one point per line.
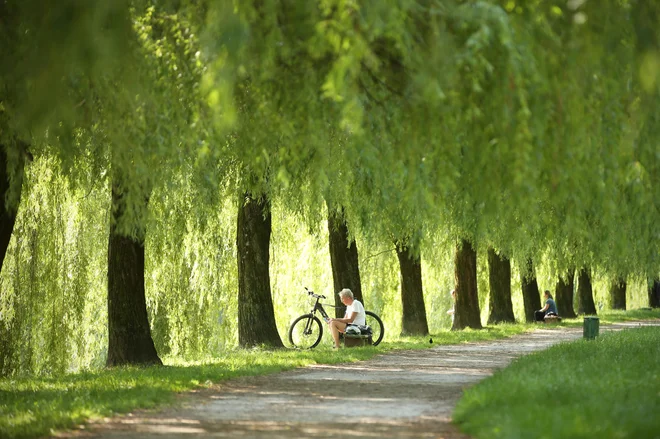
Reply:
x=68, y=92
x=11, y=181
x=413, y=319
x=37, y=106
x=256, y=319
x=644, y=178
x=499, y=280
x=617, y=290
x=169, y=113
x=564, y=294
x=127, y=105
x=585, y=293
x=343, y=258
x=530, y=290
x=129, y=333
x=271, y=145
x=654, y=294
x=466, y=312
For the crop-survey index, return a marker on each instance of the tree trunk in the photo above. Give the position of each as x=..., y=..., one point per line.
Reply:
x=564, y=295
x=585, y=294
x=530, y=291
x=412, y=297
x=8, y=213
x=618, y=293
x=466, y=313
x=129, y=335
x=654, y=294
x=499, y=279
x=344, y=260
x=256, y=315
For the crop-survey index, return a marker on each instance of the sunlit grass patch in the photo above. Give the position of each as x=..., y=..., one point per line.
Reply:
x=606, y=388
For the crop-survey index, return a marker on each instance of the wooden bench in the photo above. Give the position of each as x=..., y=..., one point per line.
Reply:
x=352, y=340
x=551, y=319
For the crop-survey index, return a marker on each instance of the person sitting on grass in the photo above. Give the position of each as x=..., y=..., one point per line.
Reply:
x=550, y=308
x=355, y=315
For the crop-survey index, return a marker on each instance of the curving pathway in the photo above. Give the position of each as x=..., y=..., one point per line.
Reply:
x=404, y=394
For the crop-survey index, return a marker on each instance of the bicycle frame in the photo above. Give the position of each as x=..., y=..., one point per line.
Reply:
x=318, y=306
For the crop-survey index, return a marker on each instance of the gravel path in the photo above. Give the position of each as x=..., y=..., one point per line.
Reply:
x=403, y=394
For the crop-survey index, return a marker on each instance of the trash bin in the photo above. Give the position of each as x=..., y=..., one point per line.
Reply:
x=591, y=327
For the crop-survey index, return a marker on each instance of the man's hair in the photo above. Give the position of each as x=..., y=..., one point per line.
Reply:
x=346, y=293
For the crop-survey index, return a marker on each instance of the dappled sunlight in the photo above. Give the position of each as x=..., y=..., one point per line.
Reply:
x=404, y=394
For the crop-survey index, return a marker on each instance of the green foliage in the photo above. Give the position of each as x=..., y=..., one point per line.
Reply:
x=531, y=128
x=191, y=279
x=603, y=388
x=53, y=285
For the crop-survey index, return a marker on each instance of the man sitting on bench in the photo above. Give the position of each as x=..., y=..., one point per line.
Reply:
x=355, y=315
x=550, y=308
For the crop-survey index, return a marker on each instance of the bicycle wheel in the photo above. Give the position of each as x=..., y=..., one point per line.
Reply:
x=377, y=327
x=305, y=332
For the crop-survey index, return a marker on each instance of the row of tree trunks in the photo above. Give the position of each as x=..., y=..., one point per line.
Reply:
x=256, y=314
x=618, y=293
x=343, y=259
x=129, y=335
x=466, y=313
x=654, y=294
x=499, y=277
x=530, y=291
x=585, y=293
x=564, y=294
x=412, y=297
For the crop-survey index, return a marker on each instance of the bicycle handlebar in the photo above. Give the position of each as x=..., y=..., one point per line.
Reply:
x=317, y=296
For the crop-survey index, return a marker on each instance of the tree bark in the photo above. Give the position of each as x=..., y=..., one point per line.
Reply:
x=585, y=293
x=530, y=291
x=618, y=293
x=8, y=213
x=129, y=335
x=499, y=278
x=412, y=297
x=344, y=259
x=256, y=315
x=564, y=295
x=466, y=313
x=654, y=294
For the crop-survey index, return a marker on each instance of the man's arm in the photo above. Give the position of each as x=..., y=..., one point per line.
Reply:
x=347, y=320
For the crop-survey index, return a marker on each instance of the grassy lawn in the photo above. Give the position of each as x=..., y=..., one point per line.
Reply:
x=606, y=388
x=35, y=406
x=614, y=316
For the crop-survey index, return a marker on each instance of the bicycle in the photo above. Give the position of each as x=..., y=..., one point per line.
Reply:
x=306, y=331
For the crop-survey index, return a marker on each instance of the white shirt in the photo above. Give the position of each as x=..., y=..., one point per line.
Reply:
x=361, y=317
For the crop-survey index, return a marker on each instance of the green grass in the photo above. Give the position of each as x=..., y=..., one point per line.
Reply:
x=605, y=388
x=613, y=316
x=35, y=406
